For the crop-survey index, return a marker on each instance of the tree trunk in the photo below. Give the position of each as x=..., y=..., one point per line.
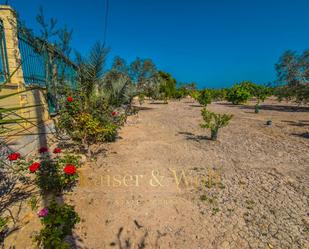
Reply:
x=214, y=135
x=89, y=153
x=257, y=108
x=86, y=147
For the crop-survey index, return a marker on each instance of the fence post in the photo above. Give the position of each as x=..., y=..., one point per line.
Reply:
x=9, y=19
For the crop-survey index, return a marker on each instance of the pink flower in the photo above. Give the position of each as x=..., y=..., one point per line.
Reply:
x=43, y=213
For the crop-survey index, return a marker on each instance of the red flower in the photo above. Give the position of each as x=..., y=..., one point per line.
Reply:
x=34, y=167
x=57, y=150
x=43, y=149
x=14, y=156
x=114, y=113
x=69, y=169
x=70, y=99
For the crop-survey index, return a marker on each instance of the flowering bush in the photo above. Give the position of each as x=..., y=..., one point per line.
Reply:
x=58, y=221
x=52, y=175
x=85, y=128
x=17, y=165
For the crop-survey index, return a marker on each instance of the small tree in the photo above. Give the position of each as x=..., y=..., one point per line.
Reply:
x=218, y=94
x=238, y=94
x=261, y=93
x=83, y=127
x=167, y=86
x=180, y=93
x=214, y=121
x=205, y=97
x=195, y=95
x=293, y=77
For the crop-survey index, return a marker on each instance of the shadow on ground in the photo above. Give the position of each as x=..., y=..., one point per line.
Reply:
x=302, y=135
x=158, y=103
x=196, y=105
x=193, y=137
x=300, y=123
x=280, y=108
x=122, y=242
x=142, y=108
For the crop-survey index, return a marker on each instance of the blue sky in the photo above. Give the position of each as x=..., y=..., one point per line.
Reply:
x=212, y=42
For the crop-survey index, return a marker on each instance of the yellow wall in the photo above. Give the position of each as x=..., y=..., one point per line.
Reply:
x=34, y=115
x=8, y=17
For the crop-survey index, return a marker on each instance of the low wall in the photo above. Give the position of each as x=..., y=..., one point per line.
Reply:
x=38, y=128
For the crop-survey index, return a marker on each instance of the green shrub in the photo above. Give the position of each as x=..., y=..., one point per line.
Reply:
x=180, y=93
x=218, y=94
x=238, y=94
x=249, y=86
x=111, y=129
x=167, y=86
x=141, y=98
x=58, y=222
x=261, y=93
x=299, y=93
x=85, y=128
x=205, y=97
x=3, y=222
x=195, y=95
x=214, y=121
x=51, y=176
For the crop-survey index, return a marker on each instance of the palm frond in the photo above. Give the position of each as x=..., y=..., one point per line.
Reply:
x=11, y=109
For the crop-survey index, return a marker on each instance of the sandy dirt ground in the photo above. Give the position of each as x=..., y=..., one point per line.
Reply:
x=164, y=184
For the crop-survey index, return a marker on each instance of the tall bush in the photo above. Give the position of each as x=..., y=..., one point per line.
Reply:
x=205, y=97
x=218, y=94
x=83, y=127
x=238, y=94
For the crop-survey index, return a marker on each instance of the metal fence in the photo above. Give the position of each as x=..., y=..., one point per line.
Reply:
x=36, y=64
x=33, y=63
x=66, y=73
x=4, y=69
